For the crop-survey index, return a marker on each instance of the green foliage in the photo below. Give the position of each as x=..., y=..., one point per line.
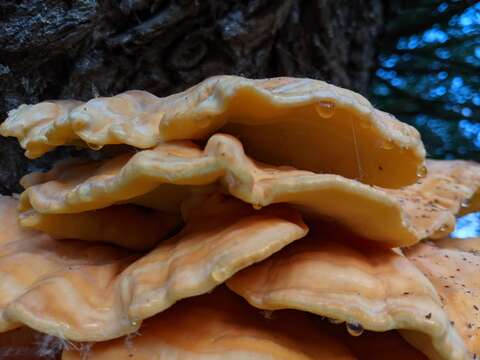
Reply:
x=428, y=73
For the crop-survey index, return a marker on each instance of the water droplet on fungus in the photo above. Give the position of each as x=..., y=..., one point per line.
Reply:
x=335, y=321
x=387, y=145
x=422, y=172
x=94, y=146
x=325, y=109
x=355, y=329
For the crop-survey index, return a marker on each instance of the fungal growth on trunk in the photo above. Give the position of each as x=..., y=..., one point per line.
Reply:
x=239, y=219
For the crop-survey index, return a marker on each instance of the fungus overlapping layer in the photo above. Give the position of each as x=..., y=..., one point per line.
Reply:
x=125, y=225
x=172, y=171
x=88, y=291
x=319, y=127
x=222, y=326
x=379, y=289
x=212, y=187
x=453, y=267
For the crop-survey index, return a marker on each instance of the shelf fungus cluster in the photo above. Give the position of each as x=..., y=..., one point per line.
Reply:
x=242, y=219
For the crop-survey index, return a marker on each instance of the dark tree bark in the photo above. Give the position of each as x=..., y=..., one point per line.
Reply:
x=86, y=48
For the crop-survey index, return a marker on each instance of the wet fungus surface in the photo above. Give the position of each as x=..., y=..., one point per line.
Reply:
x=278, y=218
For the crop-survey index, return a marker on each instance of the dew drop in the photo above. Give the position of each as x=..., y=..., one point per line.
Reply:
x=354, y=329
x=387, y=145
x=133, y=323
x=335, y=321
x=325, y=109
x=465, y=203
x=94, y=146
x=257, y=206
x=422, y=172
x=444, y=228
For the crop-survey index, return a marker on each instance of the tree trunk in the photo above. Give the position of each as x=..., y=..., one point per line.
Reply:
x=80, y=49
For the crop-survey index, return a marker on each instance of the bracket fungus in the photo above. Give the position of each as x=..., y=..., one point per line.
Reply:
x=87, y=291
x=222, y=326
x=378, y=289
x=302, y=198
x=125, y=225
x=453, y=268
x=408, y=215
x=321, y=127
